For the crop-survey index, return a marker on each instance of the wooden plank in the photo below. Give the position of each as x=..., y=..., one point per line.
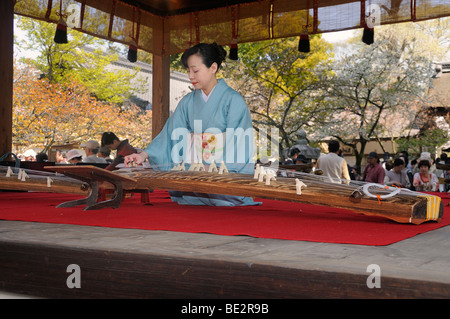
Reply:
x=6, y=74
x=40, y=184
x=297, y=167
x=120, y=263
x=443, y=166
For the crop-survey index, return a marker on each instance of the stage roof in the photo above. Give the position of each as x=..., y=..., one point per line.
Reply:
x=164, y=27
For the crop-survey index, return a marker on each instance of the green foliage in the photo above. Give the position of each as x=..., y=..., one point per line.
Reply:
x=62, y=63
x=430, y=140
x=278, y=82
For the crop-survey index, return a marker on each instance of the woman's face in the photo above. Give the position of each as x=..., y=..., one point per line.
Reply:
x=113, y=146
x=423, y=169
x=200, y=75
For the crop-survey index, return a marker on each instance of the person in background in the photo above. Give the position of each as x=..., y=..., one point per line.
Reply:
x=333, y=165
x=425, y=156
x=91, y=149
x=295, y=157
x=29, y=155
x=387, y=161
x=105, y=152
x=373, y=172
x=122, y=148
x=409, y=166
x=446, y=176
x=74, y=156
x=41, y=157
x=424, y=181
x=61, y=157
x=397, y=175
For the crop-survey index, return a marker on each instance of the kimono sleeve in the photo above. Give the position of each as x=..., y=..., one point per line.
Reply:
x=239, y=137
x=165, y=146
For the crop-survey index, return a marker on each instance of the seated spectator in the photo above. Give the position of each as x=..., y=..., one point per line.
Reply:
x=397, y=175
x=105, y=152
x=387, y=161
x=74, y=156
x=41, y=157
x=61, y=157
x=424, y=180
x=91, y=149
x=426, y=156
x=295, y=157
x=373, y=172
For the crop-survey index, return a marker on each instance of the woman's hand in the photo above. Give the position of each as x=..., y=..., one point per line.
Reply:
x=135, y=159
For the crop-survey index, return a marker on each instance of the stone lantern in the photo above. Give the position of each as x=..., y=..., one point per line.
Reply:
x=311, y=153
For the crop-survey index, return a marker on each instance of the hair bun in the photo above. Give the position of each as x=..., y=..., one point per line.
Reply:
x=210, y=53
x=221, y=53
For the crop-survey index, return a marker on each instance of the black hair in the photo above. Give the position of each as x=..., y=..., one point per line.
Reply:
x=398, y=161
x=294, y=151
x=333, y=146
x=405, y=155
x=424, y=163
x=209, y=53
x=108, y=138
x=41, y=157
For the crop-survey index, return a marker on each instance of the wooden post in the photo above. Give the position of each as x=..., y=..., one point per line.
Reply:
x=161, y=93
x=6, y=74
x=161, y=82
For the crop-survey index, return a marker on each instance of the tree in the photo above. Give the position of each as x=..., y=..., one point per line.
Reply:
x=277, y=83
x=378, y=90
x=64, y=63
x=46, y=113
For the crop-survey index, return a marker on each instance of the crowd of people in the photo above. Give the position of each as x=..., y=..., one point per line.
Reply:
x=91, y=152
x=419, y=174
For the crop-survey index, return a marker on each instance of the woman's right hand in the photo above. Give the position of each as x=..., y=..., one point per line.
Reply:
x=135, y=159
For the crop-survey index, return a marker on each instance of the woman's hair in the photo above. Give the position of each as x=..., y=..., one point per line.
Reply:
x=108, y=138
x=209, y=53
x=424, y=163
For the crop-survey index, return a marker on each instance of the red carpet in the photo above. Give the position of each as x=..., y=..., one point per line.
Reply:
x=273, y=219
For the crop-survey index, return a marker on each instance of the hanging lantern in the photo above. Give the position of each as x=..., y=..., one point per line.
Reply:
x=368, y=35
x=234, y=33
x=61, y=31
x=368, y=21
x=61, y=27
x=233, y=50
x=132, y=51
x=133, y=47
x=303, y=44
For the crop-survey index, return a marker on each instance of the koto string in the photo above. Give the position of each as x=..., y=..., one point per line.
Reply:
x=353, y=186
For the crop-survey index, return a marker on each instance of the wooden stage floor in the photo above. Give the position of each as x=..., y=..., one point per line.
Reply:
x=129, y=263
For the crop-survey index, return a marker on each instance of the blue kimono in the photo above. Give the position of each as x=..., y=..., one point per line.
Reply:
x=199, y=132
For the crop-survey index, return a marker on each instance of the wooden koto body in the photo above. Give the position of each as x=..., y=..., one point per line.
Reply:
x=400, y=208
x=41, y=183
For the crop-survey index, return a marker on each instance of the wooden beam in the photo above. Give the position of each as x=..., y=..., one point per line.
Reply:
x=161, y=93
x=160, y=83
x=6, y=74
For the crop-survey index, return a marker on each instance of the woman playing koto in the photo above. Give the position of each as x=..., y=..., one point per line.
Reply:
x=210, y=125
